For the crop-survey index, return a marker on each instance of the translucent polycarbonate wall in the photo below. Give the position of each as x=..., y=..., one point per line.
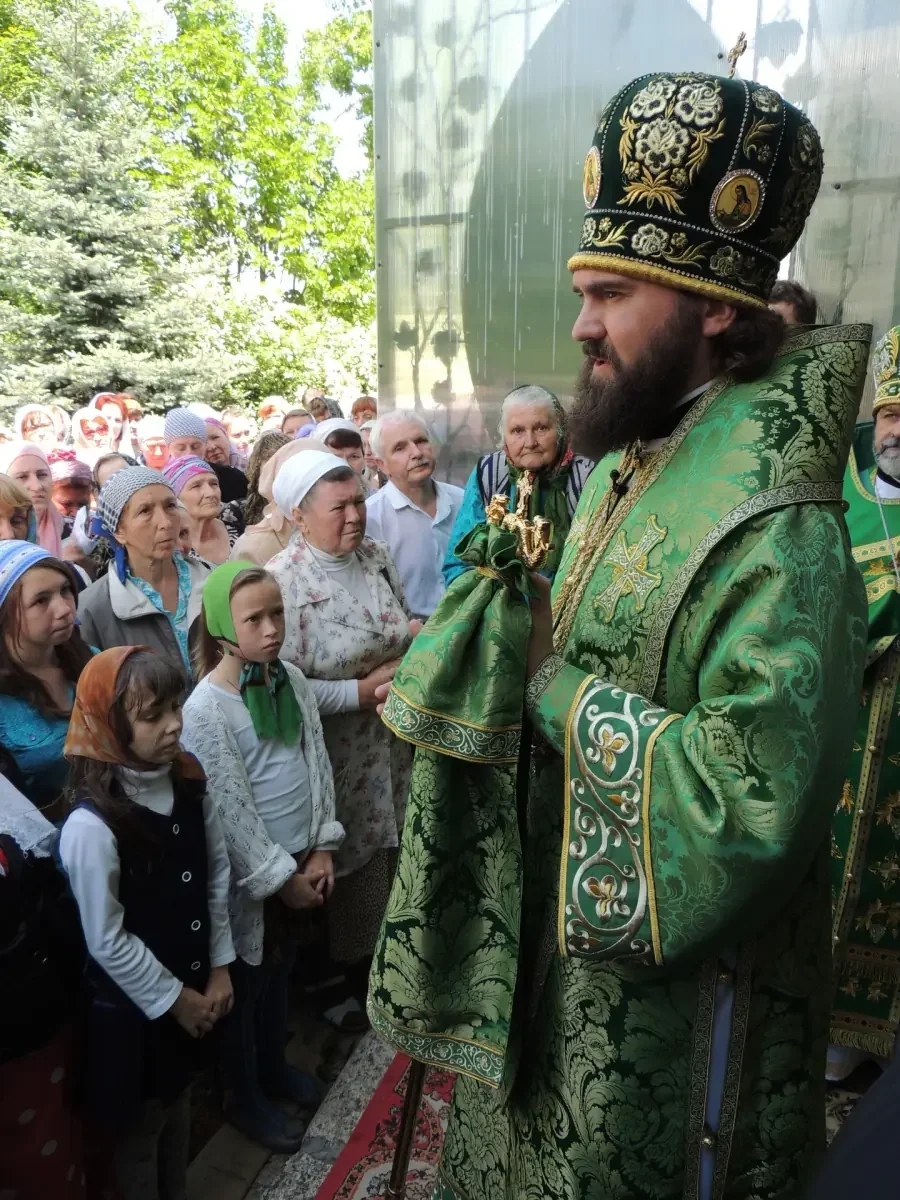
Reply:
x=484, y=110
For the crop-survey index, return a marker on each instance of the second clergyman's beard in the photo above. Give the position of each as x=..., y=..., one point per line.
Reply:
x=609, y=414
x=888, y=458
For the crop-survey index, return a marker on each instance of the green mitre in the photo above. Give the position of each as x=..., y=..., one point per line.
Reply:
x=698, y=182
x=886, y=369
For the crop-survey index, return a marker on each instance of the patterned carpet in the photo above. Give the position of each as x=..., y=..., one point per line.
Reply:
x=364, y=1166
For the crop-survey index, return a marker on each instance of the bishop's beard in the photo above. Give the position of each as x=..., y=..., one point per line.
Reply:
x=611, y=413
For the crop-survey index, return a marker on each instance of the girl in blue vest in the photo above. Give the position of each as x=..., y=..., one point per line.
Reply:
x=148, y=867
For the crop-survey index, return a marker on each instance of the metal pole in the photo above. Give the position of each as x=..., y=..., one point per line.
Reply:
x=396, y=1189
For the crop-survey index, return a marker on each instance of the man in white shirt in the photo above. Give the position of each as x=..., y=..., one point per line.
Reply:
x=412, y=513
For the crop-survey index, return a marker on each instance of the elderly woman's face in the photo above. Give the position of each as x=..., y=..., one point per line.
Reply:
x=201, y=497
x=218, y=448
x=333, y=516
x=149, y=523
x=529, y=436
x=34, y=476
x=39, y=428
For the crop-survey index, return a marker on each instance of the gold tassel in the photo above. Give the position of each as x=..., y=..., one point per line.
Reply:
x=880, y=1047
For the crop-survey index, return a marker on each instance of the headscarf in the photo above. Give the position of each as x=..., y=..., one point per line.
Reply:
x=15, y=559
x=323, y=431
x=299, y=476
x=304, y=431
x=150, y=427
x=267, y=444
x=182, y=423
x=235, y=459
x=271, y=702
x=28, y=410
x=87, y=451
x=49, y=522
x=548, y=499
x=13, y=494
x=177, y=472
x=90, y=734
x=117, y=491
x=64, y=465
x=272, y=513
x=57, y=410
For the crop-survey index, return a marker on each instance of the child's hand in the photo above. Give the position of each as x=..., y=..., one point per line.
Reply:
x=220, y=992
x=193, y=1012
x=319, y=867
x=301, y=891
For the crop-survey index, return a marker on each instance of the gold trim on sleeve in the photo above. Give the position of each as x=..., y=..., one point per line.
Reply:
x=645, y=825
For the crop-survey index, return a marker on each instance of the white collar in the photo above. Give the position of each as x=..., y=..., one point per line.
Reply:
x=400, y=499
x=886, y=489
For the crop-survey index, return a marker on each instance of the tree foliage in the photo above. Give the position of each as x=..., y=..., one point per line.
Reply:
x=172, y=220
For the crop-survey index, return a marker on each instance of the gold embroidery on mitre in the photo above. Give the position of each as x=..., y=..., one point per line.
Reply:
x=593, y=177
x=629, y=566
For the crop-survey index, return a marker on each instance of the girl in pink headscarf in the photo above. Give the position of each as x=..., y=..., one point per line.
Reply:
x=27, y=464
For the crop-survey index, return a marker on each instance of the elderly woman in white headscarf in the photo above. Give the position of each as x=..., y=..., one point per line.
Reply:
x=271, y=534
x=347, y=628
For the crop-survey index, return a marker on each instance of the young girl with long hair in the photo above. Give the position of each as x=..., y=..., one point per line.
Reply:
x=253, y=723
x=148, y=867
x=42, y=656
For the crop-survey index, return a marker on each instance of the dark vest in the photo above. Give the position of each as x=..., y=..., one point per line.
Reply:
x=163, y=890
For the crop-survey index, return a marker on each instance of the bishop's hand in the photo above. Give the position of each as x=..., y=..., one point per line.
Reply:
x=540, y=644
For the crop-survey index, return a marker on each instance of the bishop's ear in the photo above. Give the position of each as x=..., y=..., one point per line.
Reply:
x=717, y=317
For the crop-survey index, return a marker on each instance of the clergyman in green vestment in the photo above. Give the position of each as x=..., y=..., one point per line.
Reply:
x=692, y=699
x=865, y=846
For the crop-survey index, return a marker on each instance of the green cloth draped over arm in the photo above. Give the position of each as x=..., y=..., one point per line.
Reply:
x=444, y=971
x=686, y=830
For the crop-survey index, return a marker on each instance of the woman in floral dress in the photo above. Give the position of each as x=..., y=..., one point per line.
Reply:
x=347, y=628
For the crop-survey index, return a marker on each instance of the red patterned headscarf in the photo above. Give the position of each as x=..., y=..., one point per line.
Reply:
x=90, y=734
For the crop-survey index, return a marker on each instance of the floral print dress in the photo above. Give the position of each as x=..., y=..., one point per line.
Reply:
x=332, y=635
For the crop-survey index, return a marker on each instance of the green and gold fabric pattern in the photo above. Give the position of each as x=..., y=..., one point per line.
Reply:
x=865, y=841
x=698, y=182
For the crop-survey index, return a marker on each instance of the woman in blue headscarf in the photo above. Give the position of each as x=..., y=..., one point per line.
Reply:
x=535, y=440
x=42, y=655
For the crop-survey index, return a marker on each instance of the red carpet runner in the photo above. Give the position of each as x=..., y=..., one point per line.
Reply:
x=364, y=1166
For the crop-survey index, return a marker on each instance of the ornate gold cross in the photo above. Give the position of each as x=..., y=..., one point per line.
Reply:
x=533, y=537
x=630, y=574
x=735, y=53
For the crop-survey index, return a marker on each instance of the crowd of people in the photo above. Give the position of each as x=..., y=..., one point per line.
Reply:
x=199, y=625
x=184, y=600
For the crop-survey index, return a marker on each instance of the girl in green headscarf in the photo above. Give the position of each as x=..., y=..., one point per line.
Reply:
x=253, y=723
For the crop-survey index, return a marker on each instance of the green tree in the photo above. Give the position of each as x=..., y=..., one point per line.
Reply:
x=97, y=288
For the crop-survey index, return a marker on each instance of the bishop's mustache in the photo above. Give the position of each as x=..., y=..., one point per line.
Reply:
x=594, y=348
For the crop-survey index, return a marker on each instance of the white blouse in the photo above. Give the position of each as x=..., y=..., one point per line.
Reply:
x=90, y=857
x=278, y=775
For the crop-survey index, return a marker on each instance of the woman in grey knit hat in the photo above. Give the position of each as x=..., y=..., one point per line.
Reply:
x=151, y=593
